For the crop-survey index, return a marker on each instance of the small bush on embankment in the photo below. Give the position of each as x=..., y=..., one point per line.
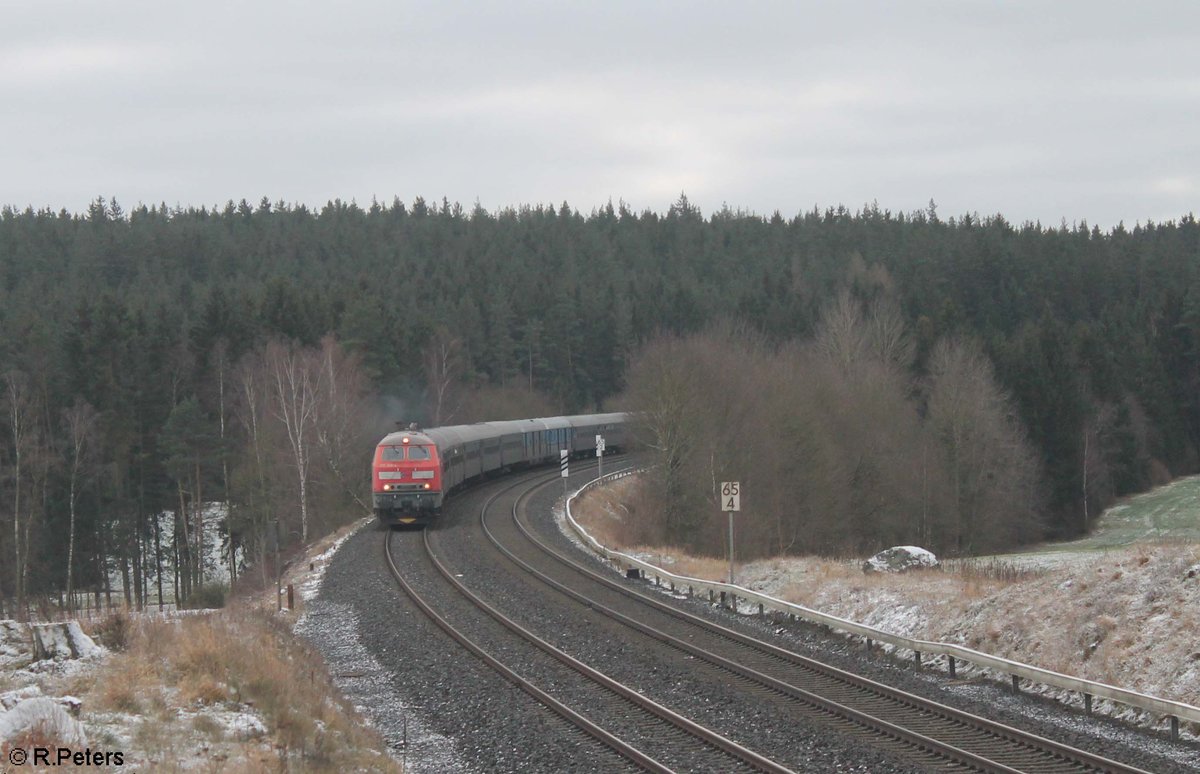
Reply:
x=210, y=596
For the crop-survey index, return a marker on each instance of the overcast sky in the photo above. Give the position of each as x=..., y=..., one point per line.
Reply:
x=1036, y=110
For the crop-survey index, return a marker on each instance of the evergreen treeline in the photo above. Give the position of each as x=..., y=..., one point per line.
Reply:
x=128, y=315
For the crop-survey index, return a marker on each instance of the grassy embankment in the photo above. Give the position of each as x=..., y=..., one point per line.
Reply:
x=231, y=690
x=187, y=680
x=1121, y=606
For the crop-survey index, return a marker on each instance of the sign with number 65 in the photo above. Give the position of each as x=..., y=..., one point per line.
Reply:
x=731, y=495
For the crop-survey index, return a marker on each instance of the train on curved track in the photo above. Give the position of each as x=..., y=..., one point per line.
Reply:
x=414, y=470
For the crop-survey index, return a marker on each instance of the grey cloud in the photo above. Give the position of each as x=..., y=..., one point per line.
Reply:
x=1039, y=111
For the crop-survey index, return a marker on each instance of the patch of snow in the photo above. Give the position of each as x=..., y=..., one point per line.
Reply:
x=45, y=717
x=10, y=699
x=311, y=584
x=214, y=553
x=242, y=725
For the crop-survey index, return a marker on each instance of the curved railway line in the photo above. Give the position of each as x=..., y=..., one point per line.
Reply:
x=678, y=741
x=652, y=737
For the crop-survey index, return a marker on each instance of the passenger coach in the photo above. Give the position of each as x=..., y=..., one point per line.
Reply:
x=415, y=469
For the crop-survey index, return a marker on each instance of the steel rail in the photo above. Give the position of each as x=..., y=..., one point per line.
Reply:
x=609, y=740
x=688, y=726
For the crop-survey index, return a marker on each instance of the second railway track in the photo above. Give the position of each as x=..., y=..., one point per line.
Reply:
x=931, y=735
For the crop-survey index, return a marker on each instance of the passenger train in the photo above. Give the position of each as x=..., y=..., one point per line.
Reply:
x=414, y=470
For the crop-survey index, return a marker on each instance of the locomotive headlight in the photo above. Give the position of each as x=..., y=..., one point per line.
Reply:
x=387, y=487
x=427, y=486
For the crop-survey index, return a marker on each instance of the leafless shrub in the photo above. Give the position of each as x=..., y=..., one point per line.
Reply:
x=827, y=442
x=113, y=630
x=993, y=569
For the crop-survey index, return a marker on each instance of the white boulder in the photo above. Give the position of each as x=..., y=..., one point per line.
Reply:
x=901, y=559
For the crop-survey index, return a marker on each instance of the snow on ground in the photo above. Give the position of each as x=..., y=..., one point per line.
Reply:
x=1121, y=606
x=216, y=554
x=36, y=697
x=309, y=581
x=44, y=716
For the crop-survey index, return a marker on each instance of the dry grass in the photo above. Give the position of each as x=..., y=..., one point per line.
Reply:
x=1126, y=617
x=706, y=567
x=235, y=660
x=610, y=515
x=37, y=736
x=994, y=569
x=603, y=511
x=128, y=684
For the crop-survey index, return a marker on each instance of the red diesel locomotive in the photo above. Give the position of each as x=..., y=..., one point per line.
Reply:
x=415, y=469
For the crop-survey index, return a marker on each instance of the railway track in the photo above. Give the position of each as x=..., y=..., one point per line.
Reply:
x=931, y=734
x=649, y=735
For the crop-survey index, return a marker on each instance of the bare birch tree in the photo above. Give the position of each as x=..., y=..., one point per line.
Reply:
x=442, y=359
x=294, y=388
x=16, y=416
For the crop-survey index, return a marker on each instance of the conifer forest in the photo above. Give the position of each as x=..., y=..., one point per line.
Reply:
x=872, y=376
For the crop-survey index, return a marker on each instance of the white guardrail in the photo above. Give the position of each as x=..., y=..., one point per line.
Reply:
x=1164, y=708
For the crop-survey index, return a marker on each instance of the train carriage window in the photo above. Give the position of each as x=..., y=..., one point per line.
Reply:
x=392, y=453
x=419, y=453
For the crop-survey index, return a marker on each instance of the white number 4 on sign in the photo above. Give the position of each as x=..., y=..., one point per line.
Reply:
x=731, y=496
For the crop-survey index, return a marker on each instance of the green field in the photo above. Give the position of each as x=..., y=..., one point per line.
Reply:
x=1168, y=514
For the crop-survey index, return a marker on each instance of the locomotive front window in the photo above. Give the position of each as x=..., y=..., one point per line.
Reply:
x=392, y=453
x=418, y=452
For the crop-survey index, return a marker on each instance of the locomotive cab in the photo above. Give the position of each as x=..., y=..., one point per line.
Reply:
x=407, y=479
